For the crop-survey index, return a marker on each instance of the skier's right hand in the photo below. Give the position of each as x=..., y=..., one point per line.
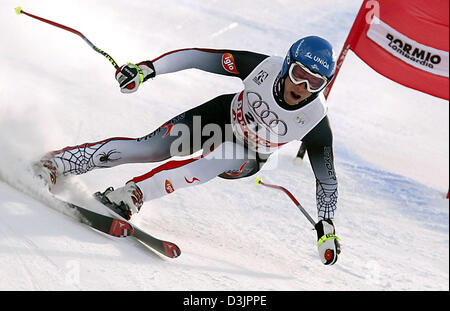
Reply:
x=131, y=76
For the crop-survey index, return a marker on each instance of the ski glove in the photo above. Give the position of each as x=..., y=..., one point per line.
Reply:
x=131, y=76
x=328, y=243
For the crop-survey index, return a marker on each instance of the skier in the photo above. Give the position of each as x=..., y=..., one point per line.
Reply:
x=281, y=102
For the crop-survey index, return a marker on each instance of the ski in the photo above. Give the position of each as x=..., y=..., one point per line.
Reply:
x=109, y=225
x=120, y=228
x=113, y=226
x=166, y=248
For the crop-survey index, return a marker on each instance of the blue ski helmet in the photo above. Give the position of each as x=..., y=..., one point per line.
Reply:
x=315, y=53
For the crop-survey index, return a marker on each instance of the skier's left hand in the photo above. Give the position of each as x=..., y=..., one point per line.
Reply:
x=131, y=76
x=328, y=243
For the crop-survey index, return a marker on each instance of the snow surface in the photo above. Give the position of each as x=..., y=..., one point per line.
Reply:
x=391, y=153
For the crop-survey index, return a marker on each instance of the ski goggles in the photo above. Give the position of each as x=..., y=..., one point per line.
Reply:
x=299, y=73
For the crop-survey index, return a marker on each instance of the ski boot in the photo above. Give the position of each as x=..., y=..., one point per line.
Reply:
x=124, y=201
x=46, y=170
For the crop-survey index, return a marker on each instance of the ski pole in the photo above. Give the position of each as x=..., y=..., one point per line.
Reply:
x=259, y=181
x=19, y=11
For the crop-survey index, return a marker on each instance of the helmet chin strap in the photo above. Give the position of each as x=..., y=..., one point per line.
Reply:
x=278, y=89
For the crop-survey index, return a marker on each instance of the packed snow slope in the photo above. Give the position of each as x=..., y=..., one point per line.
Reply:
x=391, y=153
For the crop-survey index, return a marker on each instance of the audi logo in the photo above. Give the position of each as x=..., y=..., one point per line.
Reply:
x=267, y=116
